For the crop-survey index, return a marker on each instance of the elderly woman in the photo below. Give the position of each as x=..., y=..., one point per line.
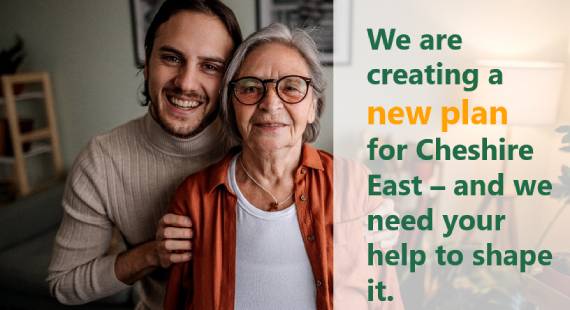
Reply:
x=262, y=217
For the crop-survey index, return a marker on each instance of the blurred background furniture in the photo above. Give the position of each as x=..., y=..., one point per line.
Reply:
x=28, y=228
x=18, y=139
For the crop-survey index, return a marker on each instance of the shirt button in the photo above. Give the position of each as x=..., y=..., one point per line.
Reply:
x=311, y=238
x=303, y=197
x=319, y=283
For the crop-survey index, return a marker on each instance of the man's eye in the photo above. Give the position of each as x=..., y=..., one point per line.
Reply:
x=211, y=67
x=172, y=59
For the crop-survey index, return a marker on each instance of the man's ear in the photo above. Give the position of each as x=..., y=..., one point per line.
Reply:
x=145, y=70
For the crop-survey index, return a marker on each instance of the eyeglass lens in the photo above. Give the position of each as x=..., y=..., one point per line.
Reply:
x=291, y=89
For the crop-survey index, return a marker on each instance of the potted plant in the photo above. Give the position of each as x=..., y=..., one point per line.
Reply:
x=11, y=58
x=551, y=284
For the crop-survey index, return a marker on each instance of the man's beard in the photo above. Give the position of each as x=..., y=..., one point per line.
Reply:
x=208, y=119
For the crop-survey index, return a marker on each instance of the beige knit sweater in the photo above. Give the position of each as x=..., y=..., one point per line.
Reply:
x=124, y=178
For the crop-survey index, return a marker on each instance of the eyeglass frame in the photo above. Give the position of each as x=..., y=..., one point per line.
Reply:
x=276, y=81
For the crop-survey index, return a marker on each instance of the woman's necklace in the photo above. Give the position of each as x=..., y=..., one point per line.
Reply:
x=276, y=203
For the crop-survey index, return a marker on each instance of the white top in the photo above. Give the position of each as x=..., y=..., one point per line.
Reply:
x=272, y=266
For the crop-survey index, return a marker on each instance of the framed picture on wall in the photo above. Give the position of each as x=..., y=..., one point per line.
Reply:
x=317, y=16
x=142, y=12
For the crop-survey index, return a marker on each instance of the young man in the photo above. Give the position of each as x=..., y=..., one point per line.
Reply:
x=126, y=177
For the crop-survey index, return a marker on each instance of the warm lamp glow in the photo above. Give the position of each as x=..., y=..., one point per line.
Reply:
x=530, y=90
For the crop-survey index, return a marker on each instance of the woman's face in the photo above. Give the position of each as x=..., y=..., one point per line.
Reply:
x=273, y=124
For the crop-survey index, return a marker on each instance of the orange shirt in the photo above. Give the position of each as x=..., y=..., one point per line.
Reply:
x=208, y=280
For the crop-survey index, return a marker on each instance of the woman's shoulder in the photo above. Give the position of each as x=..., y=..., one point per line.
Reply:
x=211, y=176
x=325, y=155
x=313, y=156
x=197, y=191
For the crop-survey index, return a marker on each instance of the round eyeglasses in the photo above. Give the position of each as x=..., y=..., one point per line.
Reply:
x=250, y=90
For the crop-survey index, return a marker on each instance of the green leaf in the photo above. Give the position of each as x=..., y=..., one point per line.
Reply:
x=557, y=191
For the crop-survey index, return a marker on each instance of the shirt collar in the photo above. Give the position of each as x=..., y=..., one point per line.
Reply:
x=310, y=158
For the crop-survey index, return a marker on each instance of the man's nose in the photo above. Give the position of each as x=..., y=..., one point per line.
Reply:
x=271, y=101
x=187, y=78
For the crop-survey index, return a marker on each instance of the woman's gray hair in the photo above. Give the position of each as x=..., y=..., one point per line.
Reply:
x=274, y=33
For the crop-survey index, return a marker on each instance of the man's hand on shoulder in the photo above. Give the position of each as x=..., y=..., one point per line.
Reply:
x=173, y=244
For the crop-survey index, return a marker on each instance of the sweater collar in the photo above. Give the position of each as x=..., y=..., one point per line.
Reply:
x=209, y=139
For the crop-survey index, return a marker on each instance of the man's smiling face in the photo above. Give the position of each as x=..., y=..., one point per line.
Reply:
x=185, y=71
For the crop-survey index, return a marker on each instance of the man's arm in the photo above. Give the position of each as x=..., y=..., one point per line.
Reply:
x=80, y=270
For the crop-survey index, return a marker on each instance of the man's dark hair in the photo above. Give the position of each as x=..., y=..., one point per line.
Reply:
x=171, y=7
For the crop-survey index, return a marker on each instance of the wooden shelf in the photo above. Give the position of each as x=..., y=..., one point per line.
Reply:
x=38, y=134
x=26, y=96
x=9, y=83
x=36, y=149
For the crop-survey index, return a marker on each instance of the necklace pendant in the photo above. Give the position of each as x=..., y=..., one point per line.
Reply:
x=273, y=206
